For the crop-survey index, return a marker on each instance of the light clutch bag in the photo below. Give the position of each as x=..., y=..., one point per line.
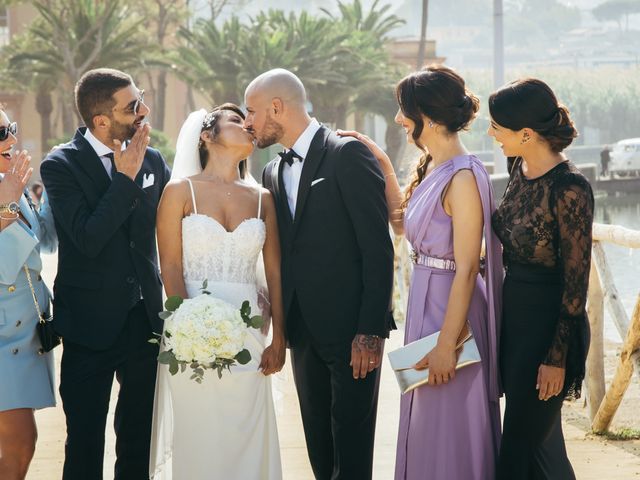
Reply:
x=404, y=358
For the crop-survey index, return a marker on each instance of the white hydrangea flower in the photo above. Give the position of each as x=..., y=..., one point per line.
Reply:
x=204, y=329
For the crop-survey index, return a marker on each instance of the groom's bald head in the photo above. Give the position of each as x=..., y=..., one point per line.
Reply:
x=276, y=107
x=279, y=83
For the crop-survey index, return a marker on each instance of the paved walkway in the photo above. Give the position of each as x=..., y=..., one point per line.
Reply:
x=592, y=458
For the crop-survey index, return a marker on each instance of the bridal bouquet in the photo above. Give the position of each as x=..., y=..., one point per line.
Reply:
x=204, y=332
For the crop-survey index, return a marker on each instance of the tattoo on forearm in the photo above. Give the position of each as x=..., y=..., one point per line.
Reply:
x=367, y=343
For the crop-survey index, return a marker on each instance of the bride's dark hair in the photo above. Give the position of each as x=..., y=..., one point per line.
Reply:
x=211, y=123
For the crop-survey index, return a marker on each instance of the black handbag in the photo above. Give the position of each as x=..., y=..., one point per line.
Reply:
x=49, y=339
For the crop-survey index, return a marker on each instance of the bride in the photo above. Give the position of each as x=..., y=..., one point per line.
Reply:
x=213, y=224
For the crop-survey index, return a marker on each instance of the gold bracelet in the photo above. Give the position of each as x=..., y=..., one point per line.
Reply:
x=390, y=175
x=9, y=218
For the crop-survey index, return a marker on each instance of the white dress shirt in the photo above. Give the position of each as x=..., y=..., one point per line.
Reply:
x=101, y=150
x=291, y=173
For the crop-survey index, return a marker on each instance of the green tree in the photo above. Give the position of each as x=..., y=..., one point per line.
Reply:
x=373, y=75
x=220, y=61
x=367, y=69
x=616, y=10
x=164, y=18
x=207, y=58
x=532, y=24
x=17, y=79
x=70, y=37
x=342, y=60
x=376, y=21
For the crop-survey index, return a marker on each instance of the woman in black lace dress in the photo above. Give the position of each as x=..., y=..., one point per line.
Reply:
x=544, y=223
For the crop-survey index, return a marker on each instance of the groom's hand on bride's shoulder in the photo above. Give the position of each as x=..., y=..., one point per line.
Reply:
x=366, y=354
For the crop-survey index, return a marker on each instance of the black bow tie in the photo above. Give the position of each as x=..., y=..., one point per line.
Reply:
x=289, y=155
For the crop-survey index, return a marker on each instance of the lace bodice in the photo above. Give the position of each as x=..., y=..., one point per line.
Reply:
x=211, y=252
x=547, y=222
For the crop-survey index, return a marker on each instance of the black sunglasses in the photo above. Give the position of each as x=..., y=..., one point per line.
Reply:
x=139, y=102
x=12, y=129
x=135, y=106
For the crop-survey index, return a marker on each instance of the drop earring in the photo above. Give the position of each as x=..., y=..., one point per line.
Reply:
x=525, y=138
x=430, y=124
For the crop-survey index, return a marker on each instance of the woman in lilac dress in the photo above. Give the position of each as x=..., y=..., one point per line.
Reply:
x=450, y=428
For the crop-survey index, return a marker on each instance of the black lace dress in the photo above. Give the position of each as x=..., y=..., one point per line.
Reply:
x=546, y=222
x=544, y=225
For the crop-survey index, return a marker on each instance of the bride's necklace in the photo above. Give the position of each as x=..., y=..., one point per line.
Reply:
x=218, y=181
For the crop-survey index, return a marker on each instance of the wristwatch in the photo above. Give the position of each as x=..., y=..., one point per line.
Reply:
x=11, y=207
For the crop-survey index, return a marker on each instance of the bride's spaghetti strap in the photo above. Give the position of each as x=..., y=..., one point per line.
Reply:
x=259, y=201
x=193, y=196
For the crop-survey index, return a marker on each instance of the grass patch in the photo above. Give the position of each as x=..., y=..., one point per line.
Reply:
x=622, y=434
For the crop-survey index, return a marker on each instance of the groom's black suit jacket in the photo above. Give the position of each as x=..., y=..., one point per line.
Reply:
x=337, y=254
x=107, y=252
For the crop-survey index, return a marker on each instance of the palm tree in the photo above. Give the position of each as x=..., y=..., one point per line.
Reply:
x=208, y=59
x=375, y=74
x=73, y=36
x=376, y=20
x=335, y=58
x=18, y=79
x=221, y=61
x=164, y=18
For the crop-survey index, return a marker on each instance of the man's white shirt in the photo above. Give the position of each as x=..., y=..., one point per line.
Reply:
x=291, y=173
x=101, y=150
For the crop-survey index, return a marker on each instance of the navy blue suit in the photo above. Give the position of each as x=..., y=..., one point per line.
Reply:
x=107, y=295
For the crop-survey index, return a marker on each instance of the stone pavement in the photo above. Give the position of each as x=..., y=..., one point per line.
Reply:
x=592, y=458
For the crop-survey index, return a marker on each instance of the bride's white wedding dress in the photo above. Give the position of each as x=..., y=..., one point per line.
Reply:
x=222, y=428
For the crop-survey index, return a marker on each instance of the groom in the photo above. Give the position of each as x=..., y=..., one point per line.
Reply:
x=337, y=272
x=107, y=291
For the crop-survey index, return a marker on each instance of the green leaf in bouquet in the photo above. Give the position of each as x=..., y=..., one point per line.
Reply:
x=206, y=292
x=205, y=283
x=165, y=314
x=173, y=367
x=183, y=367
x=243, y=357
x=166, y=357
x=173, y=302
x=245, y=309
x=167, y=334
x=256, y=321
x=155, y=340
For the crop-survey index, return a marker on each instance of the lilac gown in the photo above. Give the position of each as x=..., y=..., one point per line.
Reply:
x=451, y=431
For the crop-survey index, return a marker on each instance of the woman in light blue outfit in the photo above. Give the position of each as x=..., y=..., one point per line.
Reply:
x=26, y=372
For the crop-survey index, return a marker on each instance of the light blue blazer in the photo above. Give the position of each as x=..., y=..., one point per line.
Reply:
x=26, y=374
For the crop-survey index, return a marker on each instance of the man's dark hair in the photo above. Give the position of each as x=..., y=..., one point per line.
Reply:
x=94, y=92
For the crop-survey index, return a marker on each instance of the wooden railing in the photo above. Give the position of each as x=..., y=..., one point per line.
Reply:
x=602, y=403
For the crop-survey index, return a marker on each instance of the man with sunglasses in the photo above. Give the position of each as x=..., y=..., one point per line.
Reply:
x=104, y=187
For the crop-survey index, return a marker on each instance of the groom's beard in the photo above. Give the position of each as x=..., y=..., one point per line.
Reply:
x=273, y=132
x=124, y=131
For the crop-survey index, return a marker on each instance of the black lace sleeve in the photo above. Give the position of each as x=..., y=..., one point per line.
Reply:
x=574, y=212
